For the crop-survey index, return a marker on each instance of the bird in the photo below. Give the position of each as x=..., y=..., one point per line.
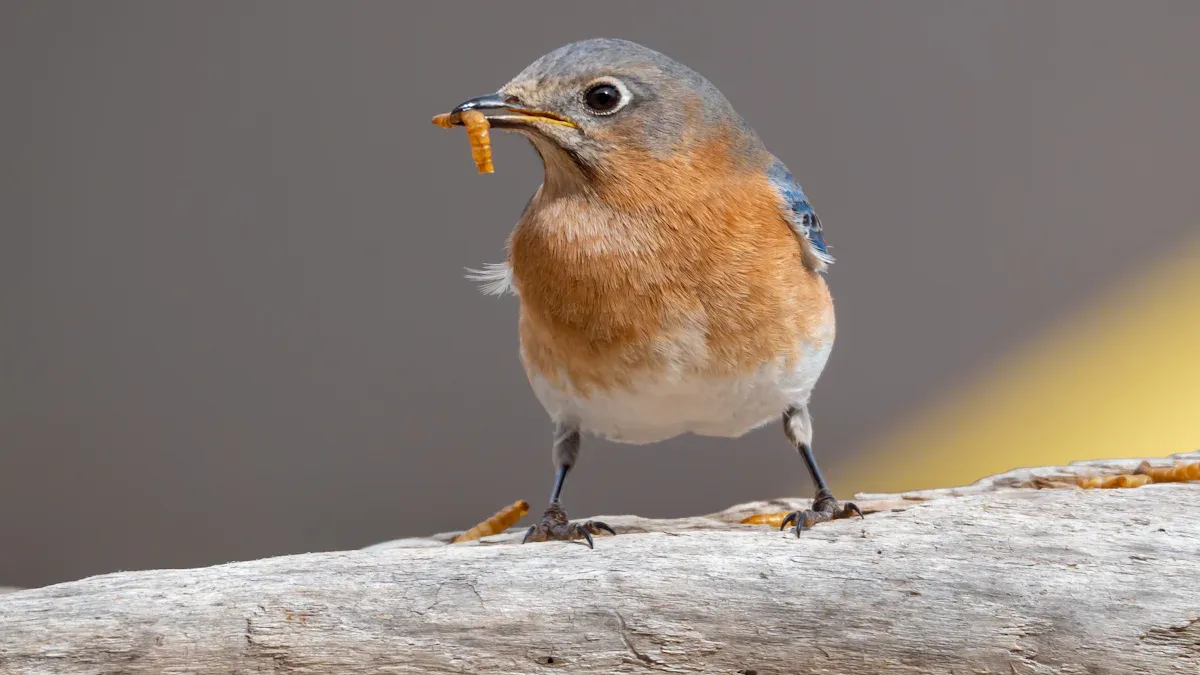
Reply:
x=670, y=271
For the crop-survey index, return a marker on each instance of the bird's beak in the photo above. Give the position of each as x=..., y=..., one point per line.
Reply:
x=505, y=111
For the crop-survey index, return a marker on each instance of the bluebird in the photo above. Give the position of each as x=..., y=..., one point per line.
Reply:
x=669, y=269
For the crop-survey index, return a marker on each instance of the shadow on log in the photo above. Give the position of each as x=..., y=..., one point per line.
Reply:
x=1021, y=573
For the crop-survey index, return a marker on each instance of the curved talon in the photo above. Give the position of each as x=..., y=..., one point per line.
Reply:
x=852, y=507
x=794, y=516
x=802, y=519
x=586, y=535
x=597, y=525
x=527, y=533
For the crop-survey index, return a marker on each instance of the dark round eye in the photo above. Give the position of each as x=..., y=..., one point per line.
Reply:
x=602, y=98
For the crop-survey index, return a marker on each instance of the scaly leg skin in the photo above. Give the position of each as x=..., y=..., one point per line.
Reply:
x=554, y=525
x=797, y=424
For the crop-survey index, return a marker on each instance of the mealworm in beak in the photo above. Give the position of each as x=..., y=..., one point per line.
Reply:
x=477, y=133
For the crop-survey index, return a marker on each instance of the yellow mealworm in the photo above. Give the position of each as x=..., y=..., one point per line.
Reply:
x=499, y=522
x=1171, y=474
x=1144, y=475
x=481, y=146
x=772, y=519
x=477, y=133
x=1125, y=480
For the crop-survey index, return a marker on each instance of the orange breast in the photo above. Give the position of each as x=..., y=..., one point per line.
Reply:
x=693, y=274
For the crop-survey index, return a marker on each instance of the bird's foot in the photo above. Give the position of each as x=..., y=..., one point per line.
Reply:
x=824, y=508
x=555, y=526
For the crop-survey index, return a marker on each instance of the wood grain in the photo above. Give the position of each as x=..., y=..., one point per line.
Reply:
x=998, y=577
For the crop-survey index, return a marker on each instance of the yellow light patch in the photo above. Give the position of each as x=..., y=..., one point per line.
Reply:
x=1119, y=380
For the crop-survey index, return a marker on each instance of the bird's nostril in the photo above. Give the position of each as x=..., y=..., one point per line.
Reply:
x=512, y=100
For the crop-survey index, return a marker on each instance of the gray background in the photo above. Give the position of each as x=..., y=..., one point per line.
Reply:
x=232, y=314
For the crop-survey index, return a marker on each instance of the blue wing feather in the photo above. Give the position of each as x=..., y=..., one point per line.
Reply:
x=800, y=213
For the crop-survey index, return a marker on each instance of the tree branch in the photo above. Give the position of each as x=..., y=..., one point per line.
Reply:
x=997, y=577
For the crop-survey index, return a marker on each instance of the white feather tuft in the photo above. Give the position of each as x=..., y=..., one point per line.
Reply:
x=493, y=279
x=823, y=257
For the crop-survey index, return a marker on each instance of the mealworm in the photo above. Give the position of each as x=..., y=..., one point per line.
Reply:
x=1125, y=480
x=772, y=519
x=1144, y=475
x=1171, y=474
x=499, y=522
x=481, y=146
x=477, y=133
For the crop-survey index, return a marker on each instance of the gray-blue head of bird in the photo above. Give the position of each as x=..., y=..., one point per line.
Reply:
x=597, y=107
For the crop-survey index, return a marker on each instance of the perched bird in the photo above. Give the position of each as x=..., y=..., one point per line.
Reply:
x=669, y=269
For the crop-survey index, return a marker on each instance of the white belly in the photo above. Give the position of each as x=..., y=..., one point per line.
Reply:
x=660, y=406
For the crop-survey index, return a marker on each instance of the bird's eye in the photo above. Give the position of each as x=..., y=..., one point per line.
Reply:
x=602, y=98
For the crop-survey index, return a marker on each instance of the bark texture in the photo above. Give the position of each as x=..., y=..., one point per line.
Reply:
x=1016, y=574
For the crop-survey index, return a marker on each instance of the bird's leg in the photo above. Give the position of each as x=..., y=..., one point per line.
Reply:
x=554, y=523
x=797, y=424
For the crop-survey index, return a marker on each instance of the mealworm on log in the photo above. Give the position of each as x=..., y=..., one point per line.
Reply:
x=1144, y=475
x=1124, y=480
x=477, y=133
x=772, y=519
x=1171, y=474
x=499, y=522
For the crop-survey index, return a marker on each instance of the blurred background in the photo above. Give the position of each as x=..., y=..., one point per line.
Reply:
x=234, y=323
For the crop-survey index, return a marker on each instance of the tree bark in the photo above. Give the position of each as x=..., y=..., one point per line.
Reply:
x=998, y=577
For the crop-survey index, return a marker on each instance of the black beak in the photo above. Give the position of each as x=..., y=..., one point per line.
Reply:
x=486, y=102
x=505, y=112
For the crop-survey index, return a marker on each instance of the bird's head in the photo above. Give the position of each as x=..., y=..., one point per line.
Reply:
x=603, y=108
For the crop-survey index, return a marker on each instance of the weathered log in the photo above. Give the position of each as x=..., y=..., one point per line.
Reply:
x=999, y=577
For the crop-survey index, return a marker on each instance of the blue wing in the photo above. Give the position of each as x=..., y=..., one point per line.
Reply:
x=800, y=213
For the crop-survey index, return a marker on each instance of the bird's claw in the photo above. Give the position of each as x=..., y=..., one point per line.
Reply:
x=824, y=509
x=555, y=526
